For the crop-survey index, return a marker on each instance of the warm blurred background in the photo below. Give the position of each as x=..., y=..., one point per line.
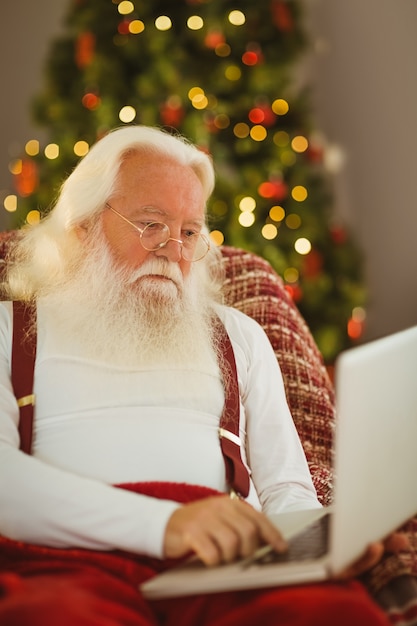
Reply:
x=360, y=67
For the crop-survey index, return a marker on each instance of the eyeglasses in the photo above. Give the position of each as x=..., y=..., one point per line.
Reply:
x=156, y=235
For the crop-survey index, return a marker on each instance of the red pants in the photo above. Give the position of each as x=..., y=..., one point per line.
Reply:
x=83, y=597
x=41, y=586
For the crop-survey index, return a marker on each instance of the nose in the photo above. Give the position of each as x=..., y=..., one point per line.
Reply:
x=171, y=250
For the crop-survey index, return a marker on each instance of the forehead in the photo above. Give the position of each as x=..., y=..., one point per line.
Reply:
x=159, y=181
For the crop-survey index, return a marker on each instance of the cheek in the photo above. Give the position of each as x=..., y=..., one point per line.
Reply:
x=124, y=248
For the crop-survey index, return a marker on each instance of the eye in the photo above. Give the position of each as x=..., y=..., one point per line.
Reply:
x=189, y=233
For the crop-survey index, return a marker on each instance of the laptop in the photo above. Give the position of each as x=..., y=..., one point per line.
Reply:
x=375, y=487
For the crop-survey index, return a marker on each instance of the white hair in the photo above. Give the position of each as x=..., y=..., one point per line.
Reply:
x=45, y=252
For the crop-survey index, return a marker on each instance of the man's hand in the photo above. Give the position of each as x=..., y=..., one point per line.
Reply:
x=219, y=530
x=396, y=542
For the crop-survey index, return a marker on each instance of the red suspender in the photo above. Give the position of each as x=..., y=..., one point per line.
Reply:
x=23, y=363
x=237, y=474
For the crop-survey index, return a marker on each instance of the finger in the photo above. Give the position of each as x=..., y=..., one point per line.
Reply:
x=369, y=559
x=213, y=547
x=397, y=542
x=265, y=532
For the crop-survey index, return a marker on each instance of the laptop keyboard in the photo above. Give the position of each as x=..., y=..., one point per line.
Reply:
x=312, y=543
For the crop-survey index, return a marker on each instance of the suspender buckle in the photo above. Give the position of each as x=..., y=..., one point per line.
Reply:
x=26, y=400
x=226, y=434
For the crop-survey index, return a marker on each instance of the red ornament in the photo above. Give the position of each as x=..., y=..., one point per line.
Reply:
x=276, y=189
x=91, y=101
x=123, y=27
x=315, y=153
x=256, y=115
x=84, y=49
x=269, y=116
x=313, y=264
x=250, y=58
x=282, y=16
x=27, y=180
x=355, y=328
x=295, y=292
x=209, y=122
x=262, y=114
x=213, y=39
x=171, y=114
x=338, y=234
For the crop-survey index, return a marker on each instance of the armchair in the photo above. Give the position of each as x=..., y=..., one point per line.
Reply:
x=252, y=286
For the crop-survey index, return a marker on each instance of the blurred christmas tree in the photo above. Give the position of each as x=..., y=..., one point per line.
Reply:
x=223, y=74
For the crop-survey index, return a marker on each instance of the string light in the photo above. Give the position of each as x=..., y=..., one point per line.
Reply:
x=237, y=18
x=241, y=130
x=222, y=121
x=302, y=246
x=200, y=101
x=258, y=133
x=281, y=139
x=299, y=193
x=10, y=203
x=127, y=114
x=33, y=217
x=52, y=151
x=198, y=98
x=15, y=167
x=233, y=72
x=32, y=147
x=269, y=231
x=163, y=22
x=81, y=148
x=217, y=237
x=277, y=213
x=136, y=27
x=293, y=221
x=291, y=275
x=299, y=144
x=280, y=106
x=125, y=7
x=246, y=219
x=223, y=50
x=247, y=204
x=195, y=22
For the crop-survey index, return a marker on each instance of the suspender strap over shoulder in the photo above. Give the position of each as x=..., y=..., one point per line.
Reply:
x=23, y=365
x=237, y=474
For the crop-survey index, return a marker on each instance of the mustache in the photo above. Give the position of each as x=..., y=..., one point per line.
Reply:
x=157, y=267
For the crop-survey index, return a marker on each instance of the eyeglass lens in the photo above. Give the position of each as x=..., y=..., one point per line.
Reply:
x=154, y=236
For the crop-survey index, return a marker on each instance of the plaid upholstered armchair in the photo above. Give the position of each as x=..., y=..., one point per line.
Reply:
x=252, y=286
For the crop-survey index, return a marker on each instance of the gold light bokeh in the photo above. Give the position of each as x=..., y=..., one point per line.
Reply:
x=195, y=22
x=299, y=193
x=269, y=231
x=277, y=213
x=10, y=203
x=237, y=18
x=302, y=246
x=163, y=22
x=32, y=147
x=125, y=7
x=52, y=151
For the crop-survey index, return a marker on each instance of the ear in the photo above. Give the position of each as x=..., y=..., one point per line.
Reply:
x=81, y=231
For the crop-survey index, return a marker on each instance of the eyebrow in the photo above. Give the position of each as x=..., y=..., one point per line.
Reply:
x=154, y=211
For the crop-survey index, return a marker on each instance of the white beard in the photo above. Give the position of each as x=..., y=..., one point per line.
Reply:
x=146, y=317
